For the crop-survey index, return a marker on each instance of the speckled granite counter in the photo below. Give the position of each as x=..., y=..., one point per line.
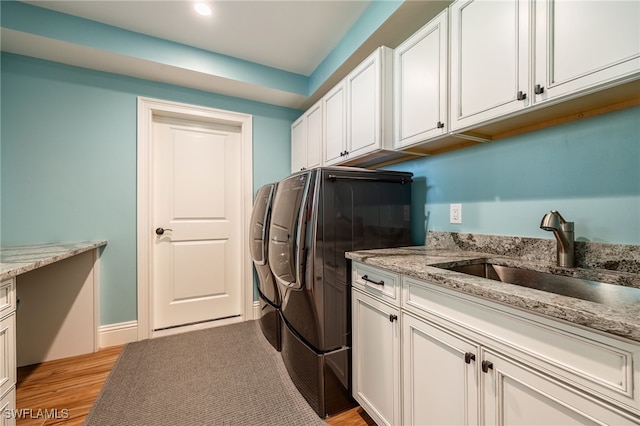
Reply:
x=20, y=259
x=445, y=249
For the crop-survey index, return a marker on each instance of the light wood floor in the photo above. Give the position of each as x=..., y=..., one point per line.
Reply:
x=72, y=384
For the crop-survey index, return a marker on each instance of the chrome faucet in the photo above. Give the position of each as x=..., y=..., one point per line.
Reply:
x=563, y=231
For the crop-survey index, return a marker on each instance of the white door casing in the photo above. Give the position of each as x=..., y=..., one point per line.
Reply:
x=193, y=236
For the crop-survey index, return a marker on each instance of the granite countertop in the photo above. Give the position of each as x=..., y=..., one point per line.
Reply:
x=422, y=262
x=20, y=259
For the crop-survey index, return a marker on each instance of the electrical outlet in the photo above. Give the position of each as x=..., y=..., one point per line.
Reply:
x=455, y=213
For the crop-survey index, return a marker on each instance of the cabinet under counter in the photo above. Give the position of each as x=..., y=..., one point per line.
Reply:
x=57, y=286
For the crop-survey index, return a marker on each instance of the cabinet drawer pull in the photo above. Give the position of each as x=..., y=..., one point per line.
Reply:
x=392, y=317
x=440, y=125
x=369, y=280
x=538, y=89
x=486, y=366
x=468, y=357
x=521, y=96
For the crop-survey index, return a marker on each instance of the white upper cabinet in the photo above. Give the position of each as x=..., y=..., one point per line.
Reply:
x=583, y=44
x=314, y=135
x=480, y=70
x=489, y=59
x=335, y=124
x=306, y=139
x=352, y=120
x=299, y=144
x=511, y=55
x=420, y=84
x=369, y=104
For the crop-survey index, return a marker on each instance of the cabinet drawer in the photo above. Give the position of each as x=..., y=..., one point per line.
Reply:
x=7, y=297
x=7, y=353
x=377, y=282
x=593, y=362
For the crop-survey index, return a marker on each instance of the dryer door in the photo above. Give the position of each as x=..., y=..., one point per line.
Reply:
x=260, y=224
x=287, y=228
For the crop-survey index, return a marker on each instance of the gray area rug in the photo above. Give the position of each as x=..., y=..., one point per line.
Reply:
x=227, y=375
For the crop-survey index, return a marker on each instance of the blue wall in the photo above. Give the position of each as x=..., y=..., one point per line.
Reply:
x=68, y=169
x=68, y=153
x=588, y=170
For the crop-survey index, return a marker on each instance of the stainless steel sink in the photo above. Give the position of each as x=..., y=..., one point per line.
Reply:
x=593, y=291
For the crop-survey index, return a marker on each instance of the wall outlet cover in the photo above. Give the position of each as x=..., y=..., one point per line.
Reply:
x=455, y=213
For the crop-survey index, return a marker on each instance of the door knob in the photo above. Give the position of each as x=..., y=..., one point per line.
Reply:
x=160, y=231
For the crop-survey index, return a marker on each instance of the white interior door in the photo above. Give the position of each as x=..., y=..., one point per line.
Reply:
x=196, y=191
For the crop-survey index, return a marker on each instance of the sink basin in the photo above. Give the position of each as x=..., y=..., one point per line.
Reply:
x=592, y=291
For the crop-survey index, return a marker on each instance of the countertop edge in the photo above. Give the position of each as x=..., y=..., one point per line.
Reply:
x=40, y=255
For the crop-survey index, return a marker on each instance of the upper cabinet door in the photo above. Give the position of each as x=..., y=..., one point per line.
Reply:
x=306, y=139
x=579, y=45
x=314, y=135
x=420, y=84
x=299, y=144
x=369, y=103
x=489, y=59
x=335, y=124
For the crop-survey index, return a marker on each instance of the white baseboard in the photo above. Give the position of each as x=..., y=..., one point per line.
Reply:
x=117, y=334
x=127, y=332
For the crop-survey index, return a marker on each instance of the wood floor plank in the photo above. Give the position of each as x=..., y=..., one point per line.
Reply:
x=70, y=384
x=74, y=383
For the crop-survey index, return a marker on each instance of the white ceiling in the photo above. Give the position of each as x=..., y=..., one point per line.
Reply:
x=293, y=36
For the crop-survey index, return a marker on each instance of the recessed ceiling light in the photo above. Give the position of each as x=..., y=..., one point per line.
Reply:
x=202, y=9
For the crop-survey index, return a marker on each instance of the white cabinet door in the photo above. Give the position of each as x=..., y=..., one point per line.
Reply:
x=489, y=59
x=369, y=103
x=583, y=44
x=299, y=144
x=517, y=395
x=439, y=376
x=306, y=139
x=7, y=408
x=314, y=135
x=420, y=84
x=376, y=358
x=335, y=124
x=8, y=364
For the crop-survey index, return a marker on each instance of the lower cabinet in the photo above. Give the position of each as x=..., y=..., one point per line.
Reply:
x=459, y=360
x=376, y=358
x=450, y=379
x=8, y=369
x=439, y=375
x=8, y=408
x=515, y=393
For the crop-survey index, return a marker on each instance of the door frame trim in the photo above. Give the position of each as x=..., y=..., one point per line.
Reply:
x=148, y=108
